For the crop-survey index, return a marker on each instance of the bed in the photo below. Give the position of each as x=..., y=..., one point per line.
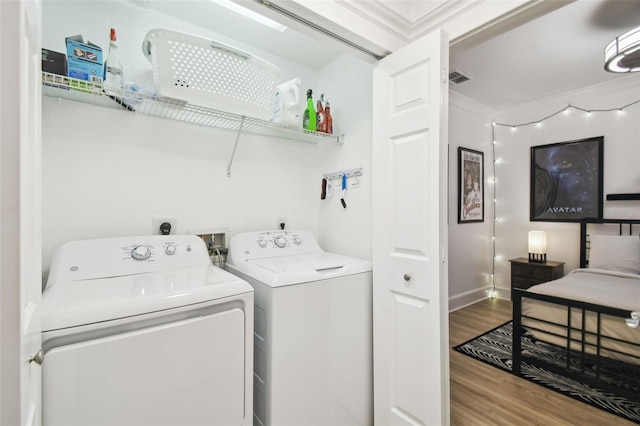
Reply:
x=586, y=311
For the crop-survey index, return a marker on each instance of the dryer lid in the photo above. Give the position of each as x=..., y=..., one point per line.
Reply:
x=81, y=302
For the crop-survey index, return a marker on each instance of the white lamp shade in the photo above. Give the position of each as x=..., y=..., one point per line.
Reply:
x=538, y=242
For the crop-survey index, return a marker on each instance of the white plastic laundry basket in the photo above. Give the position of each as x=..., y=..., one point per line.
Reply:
x=203, y=72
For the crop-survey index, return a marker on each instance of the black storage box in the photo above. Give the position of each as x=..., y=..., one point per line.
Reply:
x=54, y=62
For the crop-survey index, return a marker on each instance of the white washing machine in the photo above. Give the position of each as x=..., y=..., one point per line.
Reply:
x=145, y=331
x=313, y=330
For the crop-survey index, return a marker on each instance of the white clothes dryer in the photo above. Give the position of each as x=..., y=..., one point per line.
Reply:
x=313, y=330
x=145, y=331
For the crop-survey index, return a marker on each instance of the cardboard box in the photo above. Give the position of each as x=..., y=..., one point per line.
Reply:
x=84, y=60
x=54, y=62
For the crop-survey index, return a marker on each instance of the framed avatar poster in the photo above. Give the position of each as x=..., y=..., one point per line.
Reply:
x=566, y=181
x=470, y=185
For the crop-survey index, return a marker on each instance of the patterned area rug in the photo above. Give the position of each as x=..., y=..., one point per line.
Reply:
x=494, y=348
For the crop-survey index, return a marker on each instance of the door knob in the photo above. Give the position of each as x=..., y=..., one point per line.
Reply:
x=37, y=358
x=407, y=277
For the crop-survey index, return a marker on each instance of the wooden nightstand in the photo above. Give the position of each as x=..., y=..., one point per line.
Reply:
x=524, y=274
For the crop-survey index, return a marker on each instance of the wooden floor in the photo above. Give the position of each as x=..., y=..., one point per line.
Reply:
x=484, y=395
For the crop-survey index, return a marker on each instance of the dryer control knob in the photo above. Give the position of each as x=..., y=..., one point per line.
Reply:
x=141, y=253
x=262, y=243
x=280, y=242
x=170, y=249
x=297, y=241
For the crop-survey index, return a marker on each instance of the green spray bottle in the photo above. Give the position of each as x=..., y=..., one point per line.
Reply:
x=309, y=117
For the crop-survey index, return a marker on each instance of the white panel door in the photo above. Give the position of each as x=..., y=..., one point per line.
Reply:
x=20, y=207
x=30, y=209
x=411, y=361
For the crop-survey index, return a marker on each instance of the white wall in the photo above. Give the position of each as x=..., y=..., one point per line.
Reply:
x=108, y=172
x=469, y=243
x=104, y=180
x=348, y=231
x=621, y=165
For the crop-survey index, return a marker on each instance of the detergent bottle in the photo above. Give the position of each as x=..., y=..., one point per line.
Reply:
x=287, y=107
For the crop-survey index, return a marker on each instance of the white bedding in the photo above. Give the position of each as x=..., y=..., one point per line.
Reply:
x=615, y=253
x=601, y=287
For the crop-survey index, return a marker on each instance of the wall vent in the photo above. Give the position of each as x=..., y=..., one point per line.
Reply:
x=457, y=77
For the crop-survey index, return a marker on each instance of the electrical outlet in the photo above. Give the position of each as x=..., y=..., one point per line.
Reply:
x=157, y=221
x=281, y=222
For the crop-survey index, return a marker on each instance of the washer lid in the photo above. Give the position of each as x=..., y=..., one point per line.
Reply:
x=301, y=268
x=81, y=302
x=303, y=262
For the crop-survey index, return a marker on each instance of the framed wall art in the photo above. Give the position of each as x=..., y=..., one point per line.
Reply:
x=470, y=185
x=566, y=181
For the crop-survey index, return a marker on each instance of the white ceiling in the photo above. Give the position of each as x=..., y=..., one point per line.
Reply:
x=557, y=52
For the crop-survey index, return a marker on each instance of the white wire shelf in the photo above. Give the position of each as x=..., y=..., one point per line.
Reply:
x=63, y=87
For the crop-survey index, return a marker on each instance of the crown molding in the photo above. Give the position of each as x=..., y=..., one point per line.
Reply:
x=407, y=20
x=384, y=26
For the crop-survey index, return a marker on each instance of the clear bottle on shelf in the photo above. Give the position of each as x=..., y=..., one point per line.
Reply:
x=114, y=74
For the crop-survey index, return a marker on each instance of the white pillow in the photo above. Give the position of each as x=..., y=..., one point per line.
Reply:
x=615, y=252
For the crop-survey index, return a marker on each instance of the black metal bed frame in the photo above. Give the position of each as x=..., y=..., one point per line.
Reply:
x=587, y=349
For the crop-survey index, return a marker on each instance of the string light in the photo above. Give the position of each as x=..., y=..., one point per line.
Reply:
x=538, y=123
x=565, y=110
x=493, y=293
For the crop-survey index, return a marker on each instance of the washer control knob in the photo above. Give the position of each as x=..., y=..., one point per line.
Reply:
x=280, y=241
x=141, y=253
x=262, y=243
x=297, y=241
x=170, y=249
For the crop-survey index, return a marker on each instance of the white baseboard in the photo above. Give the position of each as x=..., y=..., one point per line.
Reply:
x=462, y=300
